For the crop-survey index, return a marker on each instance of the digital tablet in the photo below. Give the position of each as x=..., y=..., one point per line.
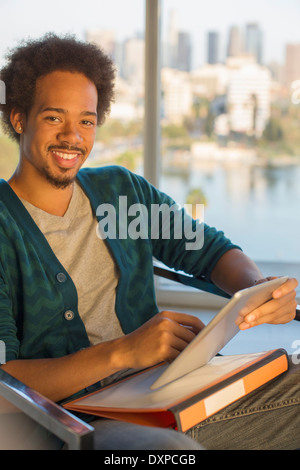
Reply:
x=216, y=334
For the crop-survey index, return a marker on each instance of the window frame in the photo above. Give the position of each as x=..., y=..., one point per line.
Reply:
x=169, y=292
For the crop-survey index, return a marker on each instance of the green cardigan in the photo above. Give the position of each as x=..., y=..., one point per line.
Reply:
x=38, y=300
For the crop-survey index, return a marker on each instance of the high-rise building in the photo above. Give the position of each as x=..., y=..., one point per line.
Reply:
x=172, y=40
x=134, y=59
x=177, y=52
x=235, y=46
x=292, y=63
x=254, y=41
x=212, y=47
x=248, y=97
x=184, y=56
x=177, y=95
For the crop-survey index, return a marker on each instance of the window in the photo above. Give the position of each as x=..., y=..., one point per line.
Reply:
x=208, y=110
x=230, y=88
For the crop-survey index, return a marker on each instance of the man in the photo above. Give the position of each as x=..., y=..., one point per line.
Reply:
x=76, y=309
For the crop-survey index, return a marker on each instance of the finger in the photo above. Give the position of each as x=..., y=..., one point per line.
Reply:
x=177, y=345
x=287, y=287
x=185, y=333
x=278, y=293
x=281, y=315
x=249, y=316
x=190, y=321
x=173, y=328
x=169, y=333
x=272, y=312
x=173, y=354
x=275, y=311
x=170, y=339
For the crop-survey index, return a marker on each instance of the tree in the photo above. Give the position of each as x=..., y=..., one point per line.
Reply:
x=128, y=159
x=209, y=123
x=273, y=131
x=173, y=131
x=194, y=197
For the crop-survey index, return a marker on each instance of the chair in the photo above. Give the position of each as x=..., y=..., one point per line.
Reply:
x=75, y=433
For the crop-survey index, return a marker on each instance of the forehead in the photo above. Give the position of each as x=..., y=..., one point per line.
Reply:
x=61, y=89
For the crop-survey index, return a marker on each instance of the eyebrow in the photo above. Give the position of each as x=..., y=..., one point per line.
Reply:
x=64, y=111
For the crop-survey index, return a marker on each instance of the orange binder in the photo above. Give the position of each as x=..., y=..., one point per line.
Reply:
x=188, y=400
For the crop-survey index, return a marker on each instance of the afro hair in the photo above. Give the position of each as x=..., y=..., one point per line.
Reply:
x=36, y=58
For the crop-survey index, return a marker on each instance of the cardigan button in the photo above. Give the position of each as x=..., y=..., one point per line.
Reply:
x=69, y=315
x=61, y=277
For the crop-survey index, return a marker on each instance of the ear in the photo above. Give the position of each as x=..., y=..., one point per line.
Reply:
x=17, y=120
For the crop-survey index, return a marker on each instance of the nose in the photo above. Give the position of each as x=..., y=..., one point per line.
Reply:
x=70, y=134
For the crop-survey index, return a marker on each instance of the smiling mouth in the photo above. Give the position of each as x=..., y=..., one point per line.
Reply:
x=67, y=159
x=65, y=156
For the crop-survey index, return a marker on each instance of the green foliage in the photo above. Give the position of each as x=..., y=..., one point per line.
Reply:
x=281, y=136
x=209, y=123
x=9, y=156
x=129, y=159
x=174, y=131
x=196, y=196
x=114, y=129
x=273, y=131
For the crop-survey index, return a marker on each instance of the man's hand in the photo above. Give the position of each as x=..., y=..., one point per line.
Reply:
x=280, y=309
x=162, y=338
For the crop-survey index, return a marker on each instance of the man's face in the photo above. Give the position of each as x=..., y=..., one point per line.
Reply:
x=61, y=127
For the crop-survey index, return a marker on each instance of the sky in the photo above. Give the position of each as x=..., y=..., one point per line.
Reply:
x=279, y=20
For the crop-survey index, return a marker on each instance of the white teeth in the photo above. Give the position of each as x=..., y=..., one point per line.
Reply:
x=66, y=156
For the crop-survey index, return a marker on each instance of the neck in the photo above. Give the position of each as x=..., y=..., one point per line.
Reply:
x=45, y=196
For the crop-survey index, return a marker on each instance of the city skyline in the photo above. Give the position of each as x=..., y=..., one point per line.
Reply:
x=277, y=18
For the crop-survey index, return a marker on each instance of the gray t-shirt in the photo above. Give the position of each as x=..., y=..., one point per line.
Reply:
x=87, y=259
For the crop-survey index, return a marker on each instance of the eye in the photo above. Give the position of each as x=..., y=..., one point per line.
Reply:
x=88, y=123
x=52, y=119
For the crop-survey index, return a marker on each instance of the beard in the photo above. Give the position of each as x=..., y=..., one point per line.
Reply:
x=58, y=181
x=65, y=178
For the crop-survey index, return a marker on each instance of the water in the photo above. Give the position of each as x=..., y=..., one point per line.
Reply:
x=257, y=207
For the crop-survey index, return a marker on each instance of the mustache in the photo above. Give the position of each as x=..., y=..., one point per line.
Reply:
x=70, y=148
